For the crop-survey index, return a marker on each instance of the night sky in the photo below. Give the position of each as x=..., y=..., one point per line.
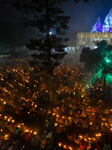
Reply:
x=83, y=16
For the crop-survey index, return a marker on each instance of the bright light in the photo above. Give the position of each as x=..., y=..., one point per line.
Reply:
x=50, y=32
x=59, y=144
x=107, y=60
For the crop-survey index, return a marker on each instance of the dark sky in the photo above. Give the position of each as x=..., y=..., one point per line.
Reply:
x=83, y=16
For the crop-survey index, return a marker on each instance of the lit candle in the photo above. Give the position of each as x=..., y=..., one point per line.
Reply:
x=70, y=148
x=27, y=130
x=13, y=121
x=35, y=133
x=59, y=144
x=65, y=146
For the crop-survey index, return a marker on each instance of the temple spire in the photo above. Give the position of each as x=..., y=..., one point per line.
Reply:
x=97, y=27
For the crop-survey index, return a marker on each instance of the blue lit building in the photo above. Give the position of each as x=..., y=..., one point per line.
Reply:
x=99, y=32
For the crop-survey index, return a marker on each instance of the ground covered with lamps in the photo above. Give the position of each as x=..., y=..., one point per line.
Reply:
x=80, y=116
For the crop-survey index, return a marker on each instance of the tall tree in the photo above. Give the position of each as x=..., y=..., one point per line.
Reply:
x=98, y=60
x=47, y=16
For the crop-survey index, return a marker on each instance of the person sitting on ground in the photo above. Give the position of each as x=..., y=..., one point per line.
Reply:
x=34, y=140
x=17, y=131
x=107, y=146
x=70, y=136
x=83, y=144
x=9, y=147
x=49, y=135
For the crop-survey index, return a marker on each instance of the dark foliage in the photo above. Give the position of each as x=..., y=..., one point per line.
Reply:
x=99, y=58
x=89, y=58
x=46, y=15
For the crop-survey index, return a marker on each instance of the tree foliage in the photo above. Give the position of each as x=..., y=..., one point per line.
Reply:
x=98, y=59
x=46, y=15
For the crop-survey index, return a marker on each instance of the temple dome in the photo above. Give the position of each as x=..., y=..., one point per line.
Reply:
x=107, y=26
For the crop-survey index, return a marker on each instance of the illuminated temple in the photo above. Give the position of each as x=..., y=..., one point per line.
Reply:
x=99, y=32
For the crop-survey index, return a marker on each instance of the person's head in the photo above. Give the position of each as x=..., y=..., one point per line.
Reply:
x=9, y=145
x=49, y=130
x=82, y=140
x=33, y=136
x=106, y=142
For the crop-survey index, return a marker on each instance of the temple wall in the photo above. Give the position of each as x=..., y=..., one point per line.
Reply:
x=89, y=39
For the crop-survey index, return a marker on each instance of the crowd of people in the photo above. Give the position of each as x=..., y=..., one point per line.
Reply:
x=79, y=117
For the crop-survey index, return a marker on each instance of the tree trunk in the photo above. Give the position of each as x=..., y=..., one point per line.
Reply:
x=50, y=71
x=51, y=89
